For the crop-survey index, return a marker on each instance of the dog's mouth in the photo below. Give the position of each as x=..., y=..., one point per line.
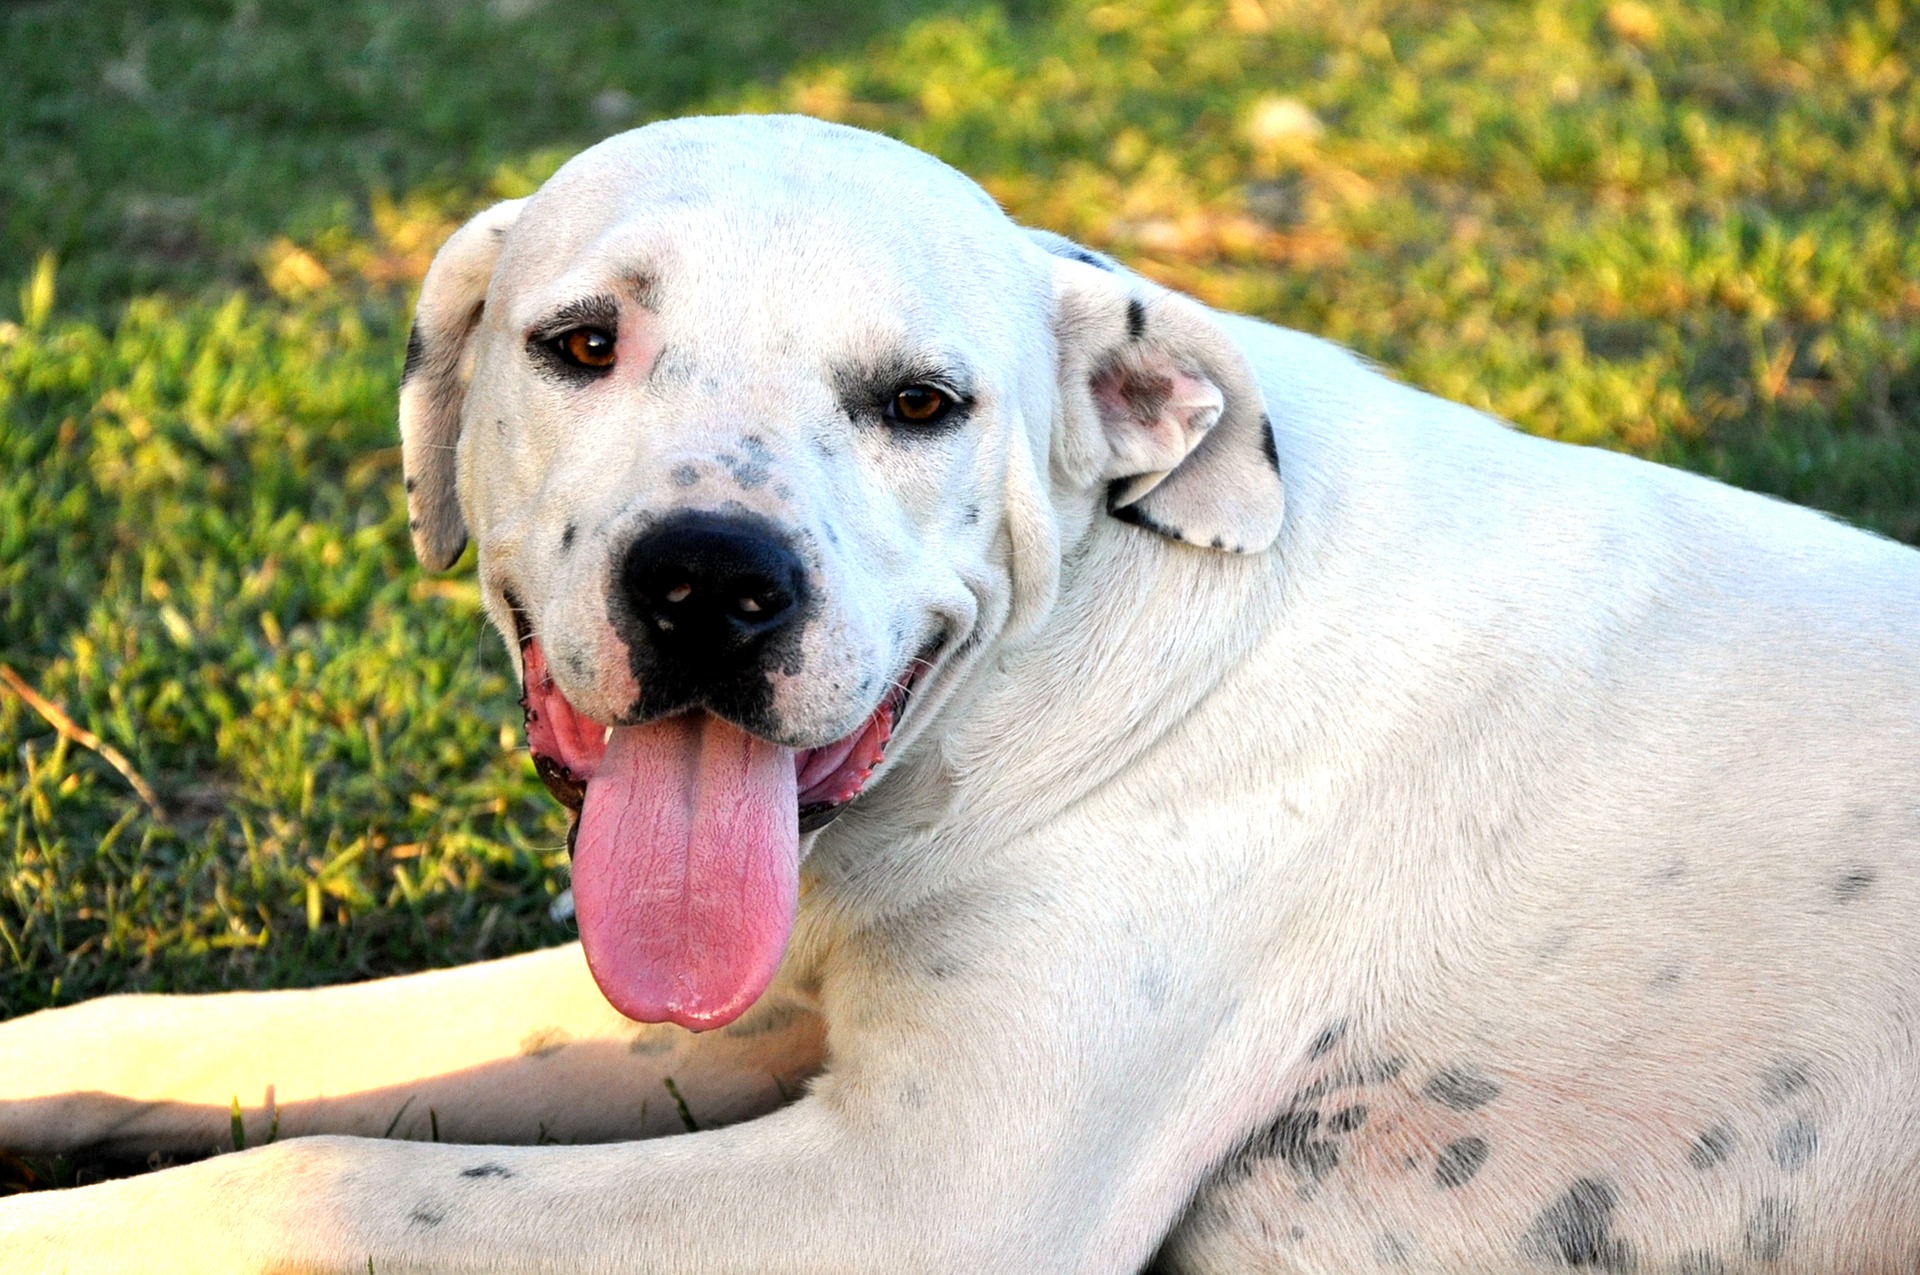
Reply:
x=686, y=841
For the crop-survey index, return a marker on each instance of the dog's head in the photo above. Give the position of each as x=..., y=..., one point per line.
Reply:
x=766, y=432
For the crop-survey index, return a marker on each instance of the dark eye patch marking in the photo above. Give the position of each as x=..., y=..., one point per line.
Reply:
x=1458, y=1161
x=865, y=389
x=1460, y=1089
x=1576, y=1229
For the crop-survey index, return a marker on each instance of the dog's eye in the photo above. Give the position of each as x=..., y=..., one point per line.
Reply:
x=585, y=347
x=919, y=405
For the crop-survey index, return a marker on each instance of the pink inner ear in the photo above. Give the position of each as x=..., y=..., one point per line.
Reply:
x=1154, y=413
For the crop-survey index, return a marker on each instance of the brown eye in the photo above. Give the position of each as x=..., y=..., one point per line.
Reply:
x=586, y=347
x=920, y=405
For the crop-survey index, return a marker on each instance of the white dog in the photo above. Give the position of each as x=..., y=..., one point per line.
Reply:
x=1499, y=857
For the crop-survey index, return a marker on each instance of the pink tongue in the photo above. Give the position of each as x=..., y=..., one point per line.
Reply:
x=686, y=869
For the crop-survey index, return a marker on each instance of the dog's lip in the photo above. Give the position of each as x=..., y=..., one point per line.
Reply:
x=829, y=777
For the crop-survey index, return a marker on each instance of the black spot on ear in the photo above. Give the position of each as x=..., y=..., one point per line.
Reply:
x=416, y=353
x=1086, y=258
x=411, y=484
x=1460, y=1088
x=1576, y=1229
x=1794, y=1145
x=1768, y=1230
x=426, y=1218
x=1711, y=1147
x=1136, y=319
x=1458, y=1161
x=1853, y=883
x=1219, y=542
x=487, y=1171
x=1267, y=443
x=566, y=537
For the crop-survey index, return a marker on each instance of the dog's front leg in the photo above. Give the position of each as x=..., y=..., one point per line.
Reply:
x=1003, y=1125
x=523, y=1049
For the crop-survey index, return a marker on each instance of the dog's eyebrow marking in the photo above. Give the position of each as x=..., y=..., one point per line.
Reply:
x=487, y=1171
x=1458, y=1161
x=1136, y=319
x=1461, y=1088
x=600, y=310
x=863, y=388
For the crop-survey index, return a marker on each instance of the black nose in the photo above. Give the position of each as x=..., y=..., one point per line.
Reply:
x=711, y=590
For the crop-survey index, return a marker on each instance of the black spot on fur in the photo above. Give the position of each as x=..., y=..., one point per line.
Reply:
x=416, y=354
x=1136, y=319
x=684, y=475
x=413, y=524
x=1085, y=258
x=1853, y=883
x=1458, y=1161
x=1330, y=1036
x=1794, y=1145
x=1290, y=1139
x=1784, y=1078
x=1576, y=1229
x=1267, y=444
x=1768, y=1230
x=1710, y=1148
x=567, y=535
x=412, y=483
x=1460, y=1088
x=971, y=515
x=487, y=1171
x=1347, y=1119
x=1219, y=542
x=426, y=1218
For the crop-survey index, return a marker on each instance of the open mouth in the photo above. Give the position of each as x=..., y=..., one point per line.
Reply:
x=686, y=841
x=569, y=746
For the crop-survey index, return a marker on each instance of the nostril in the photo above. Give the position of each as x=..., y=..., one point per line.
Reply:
x=712, y=587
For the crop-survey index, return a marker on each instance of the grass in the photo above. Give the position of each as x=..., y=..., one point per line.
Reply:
x=1688, y=230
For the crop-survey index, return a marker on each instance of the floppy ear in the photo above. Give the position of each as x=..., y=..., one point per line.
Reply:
x=433, y=385
x=1179, y=428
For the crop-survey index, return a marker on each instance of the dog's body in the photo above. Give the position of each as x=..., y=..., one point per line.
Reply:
x=1505, y=863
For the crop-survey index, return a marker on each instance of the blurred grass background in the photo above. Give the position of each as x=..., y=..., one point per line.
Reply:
x=1686, y=230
